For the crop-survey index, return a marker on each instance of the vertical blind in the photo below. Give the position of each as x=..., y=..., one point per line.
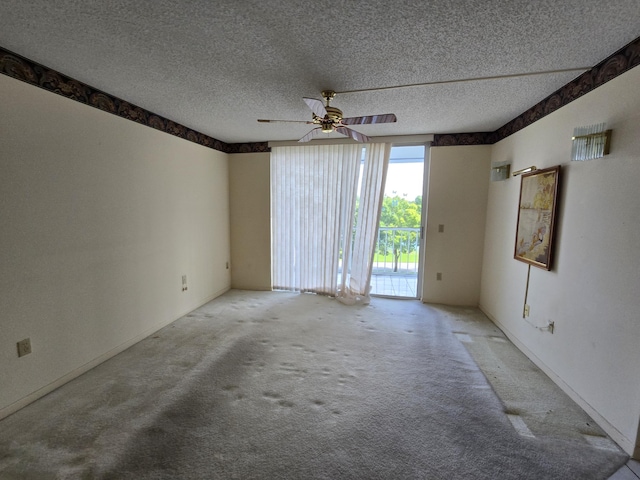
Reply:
x=313, y=198
x=356, y=280
x=319, y=243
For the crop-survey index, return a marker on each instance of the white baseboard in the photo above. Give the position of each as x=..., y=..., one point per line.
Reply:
x=626, y=444
x=41, y=392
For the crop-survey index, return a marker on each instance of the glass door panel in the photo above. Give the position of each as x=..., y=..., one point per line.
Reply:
x=396, y=266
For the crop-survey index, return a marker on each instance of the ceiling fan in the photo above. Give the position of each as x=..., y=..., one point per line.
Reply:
x=329, y=119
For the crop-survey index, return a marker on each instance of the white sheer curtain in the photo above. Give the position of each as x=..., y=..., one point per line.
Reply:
x=355, y=282
x=313, y=196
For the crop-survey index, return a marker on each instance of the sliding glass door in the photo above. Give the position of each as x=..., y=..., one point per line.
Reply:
x=397, y=267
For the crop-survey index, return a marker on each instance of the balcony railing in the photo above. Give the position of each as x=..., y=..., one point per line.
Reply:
x=395, y=263
x=397, y=251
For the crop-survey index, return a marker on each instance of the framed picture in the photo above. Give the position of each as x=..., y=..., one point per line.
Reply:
x=536, y=217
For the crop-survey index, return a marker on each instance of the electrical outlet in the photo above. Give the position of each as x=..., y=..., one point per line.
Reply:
x=184, y=283
x=527, y=310
x=440, y=228
x=24, y=347
x=439, y=276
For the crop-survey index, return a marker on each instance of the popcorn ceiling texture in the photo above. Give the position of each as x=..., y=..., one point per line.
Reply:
x=215, y=67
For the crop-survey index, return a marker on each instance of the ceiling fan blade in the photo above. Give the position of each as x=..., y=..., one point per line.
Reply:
x=385, y=118
x=262, y=120
x=316, y=106
x=357, y=136
x=310, y=135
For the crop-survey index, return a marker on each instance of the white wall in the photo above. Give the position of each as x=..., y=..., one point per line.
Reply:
x=592, y=293
x=457, y=199
x=249, y=181
x=100, y=219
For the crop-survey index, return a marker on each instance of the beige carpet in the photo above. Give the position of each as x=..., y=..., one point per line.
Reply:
x=523, y=388
x=269, y=385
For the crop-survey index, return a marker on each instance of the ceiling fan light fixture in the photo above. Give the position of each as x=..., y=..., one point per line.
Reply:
x=327, y=127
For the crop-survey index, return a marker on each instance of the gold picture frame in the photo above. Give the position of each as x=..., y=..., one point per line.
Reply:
x=536, y=217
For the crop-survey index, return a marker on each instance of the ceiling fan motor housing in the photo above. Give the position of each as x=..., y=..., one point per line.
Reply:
x=334, y=114
x=330, y=120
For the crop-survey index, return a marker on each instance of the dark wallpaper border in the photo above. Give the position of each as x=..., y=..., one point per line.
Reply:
x=23, y=69
x=621, y=61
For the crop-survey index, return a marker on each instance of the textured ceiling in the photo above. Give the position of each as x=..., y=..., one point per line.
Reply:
x=218, y=66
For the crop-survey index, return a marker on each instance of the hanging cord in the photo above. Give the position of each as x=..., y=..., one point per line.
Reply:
x=526, y=294
x=464, y=80
x=549, y=326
